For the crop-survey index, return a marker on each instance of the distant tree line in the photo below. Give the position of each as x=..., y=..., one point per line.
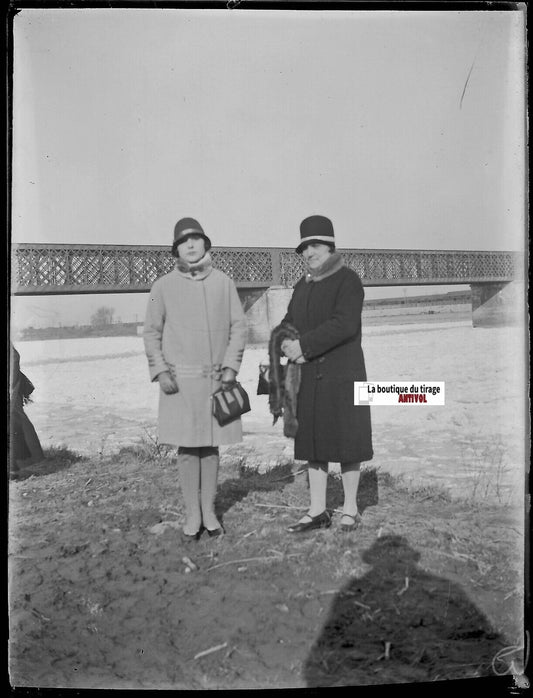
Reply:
x=450, y=298
x=103, y=316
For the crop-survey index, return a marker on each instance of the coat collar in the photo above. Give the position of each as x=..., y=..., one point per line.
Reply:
x=332, y=264
x=197, y=270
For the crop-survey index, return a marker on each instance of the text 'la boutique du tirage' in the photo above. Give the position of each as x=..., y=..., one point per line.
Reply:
x=399, y=393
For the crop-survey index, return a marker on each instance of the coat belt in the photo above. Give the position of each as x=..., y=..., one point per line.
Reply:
x=197, y=370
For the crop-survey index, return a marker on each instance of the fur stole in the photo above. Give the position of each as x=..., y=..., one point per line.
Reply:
x=284, y=381
x=332, y=264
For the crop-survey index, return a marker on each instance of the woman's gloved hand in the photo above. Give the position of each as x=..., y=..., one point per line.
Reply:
x=228, y=378
x=167, y=383
x=292, y=349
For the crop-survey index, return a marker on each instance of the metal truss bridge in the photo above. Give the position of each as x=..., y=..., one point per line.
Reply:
x=41, y=269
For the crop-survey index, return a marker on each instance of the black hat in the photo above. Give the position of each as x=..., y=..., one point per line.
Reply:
x=316, y=229
x=186, y=227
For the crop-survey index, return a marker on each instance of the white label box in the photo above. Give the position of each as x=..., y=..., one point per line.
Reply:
x=421, y=393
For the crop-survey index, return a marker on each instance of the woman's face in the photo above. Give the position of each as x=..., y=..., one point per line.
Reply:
x=315, y=254
x=192, y=249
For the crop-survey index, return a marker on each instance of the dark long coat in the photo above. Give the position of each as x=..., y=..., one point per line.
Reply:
x=25, y=447
x=327, y=314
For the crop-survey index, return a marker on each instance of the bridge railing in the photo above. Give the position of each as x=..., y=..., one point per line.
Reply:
x=41, y=269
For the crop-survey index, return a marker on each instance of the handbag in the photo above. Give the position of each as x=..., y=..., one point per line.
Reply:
x=228, y=405
x=263, y=384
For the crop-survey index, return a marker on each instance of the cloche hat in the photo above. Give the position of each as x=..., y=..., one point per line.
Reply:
x=316, y=229
x=186, y=227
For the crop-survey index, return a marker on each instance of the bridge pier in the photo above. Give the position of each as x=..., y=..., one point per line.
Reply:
x=497, y=304
x=249, y=296
x=494, y=304
x=267, y=312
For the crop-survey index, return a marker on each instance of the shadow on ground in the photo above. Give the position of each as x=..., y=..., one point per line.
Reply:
x=55, y=459
x=397, y=623
x=233, y=490
x=279, y=477
x=367, y=494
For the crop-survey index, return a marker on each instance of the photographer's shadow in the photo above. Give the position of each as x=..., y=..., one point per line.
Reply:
x=400, y=624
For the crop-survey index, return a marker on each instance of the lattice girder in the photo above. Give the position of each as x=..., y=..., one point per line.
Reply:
x=66, y=269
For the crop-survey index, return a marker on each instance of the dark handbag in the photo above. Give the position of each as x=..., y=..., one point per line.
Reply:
x=263, y=384
x=228, y=405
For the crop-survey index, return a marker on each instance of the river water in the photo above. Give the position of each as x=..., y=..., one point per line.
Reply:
x=93, y=395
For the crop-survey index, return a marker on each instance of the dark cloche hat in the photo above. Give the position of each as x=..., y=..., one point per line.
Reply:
x=186, y=227
x=316, y=229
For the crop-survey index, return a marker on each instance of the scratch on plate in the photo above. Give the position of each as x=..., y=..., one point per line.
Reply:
x=466, y=83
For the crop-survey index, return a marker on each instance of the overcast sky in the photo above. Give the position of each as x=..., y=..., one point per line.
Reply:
x=125, y=120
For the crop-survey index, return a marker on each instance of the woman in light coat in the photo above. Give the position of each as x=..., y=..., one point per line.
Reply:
x=194, y=337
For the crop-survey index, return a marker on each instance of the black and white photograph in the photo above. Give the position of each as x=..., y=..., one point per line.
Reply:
x=268, y=347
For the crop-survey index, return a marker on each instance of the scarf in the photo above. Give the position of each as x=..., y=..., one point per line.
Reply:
x=332, y=264
x=196, y=270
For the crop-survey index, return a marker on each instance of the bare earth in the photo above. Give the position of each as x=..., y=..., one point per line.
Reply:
x=104, y=593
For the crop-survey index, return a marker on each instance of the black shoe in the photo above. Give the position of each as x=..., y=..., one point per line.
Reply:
x=322, y=520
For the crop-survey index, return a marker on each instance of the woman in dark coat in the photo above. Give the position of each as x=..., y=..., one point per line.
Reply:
x=325, y=308
x=25, y=447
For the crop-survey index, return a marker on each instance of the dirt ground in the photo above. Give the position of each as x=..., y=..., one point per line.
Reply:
x=105, y=594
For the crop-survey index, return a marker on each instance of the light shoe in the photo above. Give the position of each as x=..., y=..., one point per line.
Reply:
x=347, y=528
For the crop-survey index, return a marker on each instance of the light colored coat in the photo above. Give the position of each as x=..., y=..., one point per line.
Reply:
x=193, y=328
